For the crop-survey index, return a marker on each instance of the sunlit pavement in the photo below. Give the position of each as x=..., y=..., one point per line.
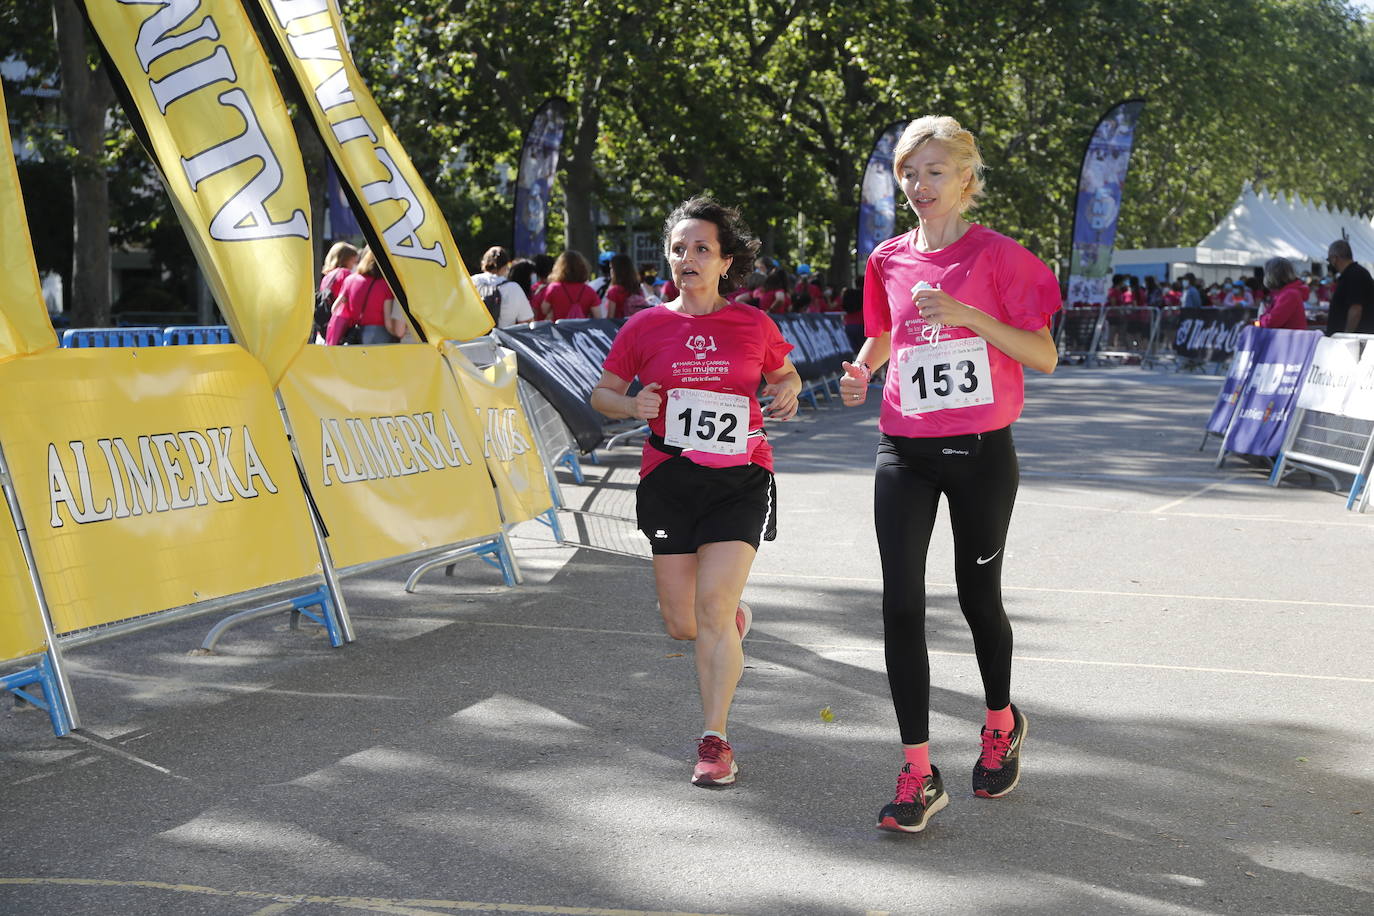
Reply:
x=1192, y=652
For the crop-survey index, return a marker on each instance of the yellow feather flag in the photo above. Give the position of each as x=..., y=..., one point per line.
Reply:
x=199, y=91
x=24, y=324
x=402, y=220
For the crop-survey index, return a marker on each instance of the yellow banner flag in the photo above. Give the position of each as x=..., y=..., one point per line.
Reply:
x=24, y=324
x=508, y=443
x=152, y=478
x=21, y=622
x=390, y=449
x=409, y=233
x=200, y=93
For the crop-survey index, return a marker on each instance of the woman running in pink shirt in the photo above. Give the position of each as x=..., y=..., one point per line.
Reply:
x=958, y=310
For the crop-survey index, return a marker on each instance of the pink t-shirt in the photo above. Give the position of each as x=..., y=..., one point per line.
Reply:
x=333, y=280
x=567, y=300
x=727, y=351
x=772, y=300
x=614, y=300
x=984, y=269
x=367, y=297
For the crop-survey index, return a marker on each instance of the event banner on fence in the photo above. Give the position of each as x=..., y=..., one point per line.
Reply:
x=152, y=478
x=1207, y=334
x=1359, y=401
x=24, y=324
x=21, y=623
x=201, y=96
x=534, y=184
x=562, y=374
x=819, y=343
x=508, y=443
x=1100, y=181
x=1270, y=393
x=403, y=223
x=1330, y=375
x=391, y=450
x=1237, y=376
x=878, y=196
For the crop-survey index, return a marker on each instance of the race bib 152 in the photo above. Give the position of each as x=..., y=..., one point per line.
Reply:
x=707, y=421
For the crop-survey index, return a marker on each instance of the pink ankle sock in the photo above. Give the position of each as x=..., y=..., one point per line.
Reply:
x=919, y=758
x=1001, y=720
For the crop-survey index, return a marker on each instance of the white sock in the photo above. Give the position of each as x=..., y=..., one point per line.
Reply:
x=717, y=734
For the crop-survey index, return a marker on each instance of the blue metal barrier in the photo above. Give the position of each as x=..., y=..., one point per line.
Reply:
x=180, y=334
x=112, y=337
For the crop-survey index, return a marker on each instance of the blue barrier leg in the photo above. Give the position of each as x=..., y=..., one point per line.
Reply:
x=550, y=518
x=1355, y=489
x=43, y=675
x=1274, y=474
x=325, y=617
x=498, y=556
x=573, y=465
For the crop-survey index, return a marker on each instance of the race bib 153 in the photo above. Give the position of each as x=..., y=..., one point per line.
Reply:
x=951, y=373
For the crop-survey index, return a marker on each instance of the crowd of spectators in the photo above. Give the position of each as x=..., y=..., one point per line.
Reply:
x=1280, y=296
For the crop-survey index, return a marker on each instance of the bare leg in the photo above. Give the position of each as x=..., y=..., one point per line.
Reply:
x=675, y=575
x=722, y=570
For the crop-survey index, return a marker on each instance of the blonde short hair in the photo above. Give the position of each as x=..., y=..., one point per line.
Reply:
x=960, y=143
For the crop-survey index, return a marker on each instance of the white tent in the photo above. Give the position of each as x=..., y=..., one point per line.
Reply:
x=1259, y=227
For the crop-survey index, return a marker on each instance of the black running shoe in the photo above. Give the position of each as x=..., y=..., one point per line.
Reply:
x=916, y=800
x=998, y=769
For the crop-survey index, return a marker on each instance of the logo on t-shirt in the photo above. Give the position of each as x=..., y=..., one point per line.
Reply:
x=701, y=345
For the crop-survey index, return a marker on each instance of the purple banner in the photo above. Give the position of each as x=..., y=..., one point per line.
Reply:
x=1237, y=376
x=343, y=224
x=878, y=196
x=1269, y=393
x=538, y=164
x=1100, y=181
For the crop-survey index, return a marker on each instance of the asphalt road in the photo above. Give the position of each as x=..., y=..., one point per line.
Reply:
x=1193, y=653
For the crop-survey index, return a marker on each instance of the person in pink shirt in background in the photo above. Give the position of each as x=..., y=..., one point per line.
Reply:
x=567, y=294
x=1288, y=308
x=809, y=290
x=772, y=295
x=957, y=310
x=364, y=300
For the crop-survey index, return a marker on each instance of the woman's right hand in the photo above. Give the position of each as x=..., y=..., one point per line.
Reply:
x=853, y=385
x=648, y=402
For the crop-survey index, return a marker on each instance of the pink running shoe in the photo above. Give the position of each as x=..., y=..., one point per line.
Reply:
x=715, y=763
x=744, y=619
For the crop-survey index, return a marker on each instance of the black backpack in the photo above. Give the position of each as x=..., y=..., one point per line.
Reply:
x=492, y=300
x=324, y=306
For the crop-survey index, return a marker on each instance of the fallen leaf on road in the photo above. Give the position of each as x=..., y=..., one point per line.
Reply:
x=673, y=655
x=827, y=715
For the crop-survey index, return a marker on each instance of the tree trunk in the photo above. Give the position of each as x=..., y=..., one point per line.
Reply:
x=579, y=223
x=847, y=178
x=86, y=99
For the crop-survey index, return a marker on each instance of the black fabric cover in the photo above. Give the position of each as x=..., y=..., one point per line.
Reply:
x=562, y=374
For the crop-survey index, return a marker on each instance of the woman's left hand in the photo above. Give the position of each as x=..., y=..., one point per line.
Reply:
x=938, y=307
x=784, y=395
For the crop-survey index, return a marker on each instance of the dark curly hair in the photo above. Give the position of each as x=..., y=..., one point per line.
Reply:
x=736, y=241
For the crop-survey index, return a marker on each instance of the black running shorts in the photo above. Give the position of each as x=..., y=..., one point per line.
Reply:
x=682, y=505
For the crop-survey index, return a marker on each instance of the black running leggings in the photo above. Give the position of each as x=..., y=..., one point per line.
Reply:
x=978, y=475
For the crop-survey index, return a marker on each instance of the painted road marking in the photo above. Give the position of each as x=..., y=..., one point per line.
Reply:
x=401, y=907
x=1185, y=498
x=119, y=752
